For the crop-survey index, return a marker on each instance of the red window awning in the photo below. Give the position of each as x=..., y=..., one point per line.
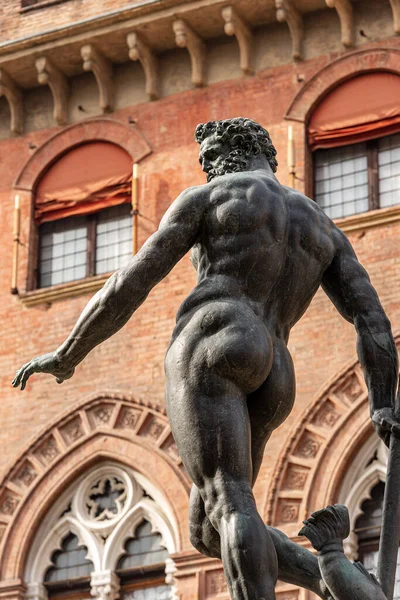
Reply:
x=361, y=109
x=90, y=177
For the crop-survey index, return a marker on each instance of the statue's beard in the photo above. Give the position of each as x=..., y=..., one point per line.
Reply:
x=235, y=161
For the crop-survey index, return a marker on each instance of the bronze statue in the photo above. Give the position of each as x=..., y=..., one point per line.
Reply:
x=261, y=251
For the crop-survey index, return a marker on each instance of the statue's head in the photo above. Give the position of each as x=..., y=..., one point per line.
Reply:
x=228, y=146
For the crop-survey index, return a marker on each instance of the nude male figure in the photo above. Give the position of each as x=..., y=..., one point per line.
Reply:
x=261, y=251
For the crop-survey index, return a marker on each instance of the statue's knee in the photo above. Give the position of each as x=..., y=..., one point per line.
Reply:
x=230, y=498
x=198, y=542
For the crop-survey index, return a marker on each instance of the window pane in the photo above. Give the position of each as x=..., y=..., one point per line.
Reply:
x=70, y=562
x=389, y=170
x=113, y=238
x=341, y=180
x=62, y=252
x=143, y=549
x=161, y=592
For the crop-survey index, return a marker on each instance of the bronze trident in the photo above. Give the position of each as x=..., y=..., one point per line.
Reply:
x=390, y=536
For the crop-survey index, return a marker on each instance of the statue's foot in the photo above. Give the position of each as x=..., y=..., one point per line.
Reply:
x=327, y=525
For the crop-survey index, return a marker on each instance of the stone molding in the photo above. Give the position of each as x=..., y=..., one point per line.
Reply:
x=372, y=218
x=63, y=291
x=341, y=69
x=13, y=589
x=49, y=74
x=341, y=406
x=128, y=137
x=235, y=25
x=115, y=415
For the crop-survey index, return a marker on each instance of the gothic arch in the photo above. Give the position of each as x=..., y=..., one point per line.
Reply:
x=336, y=72
x=312, y=464
x=110, y=426
x=129, y=138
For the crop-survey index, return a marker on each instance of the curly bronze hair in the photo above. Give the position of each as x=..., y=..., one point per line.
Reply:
x=241, y=133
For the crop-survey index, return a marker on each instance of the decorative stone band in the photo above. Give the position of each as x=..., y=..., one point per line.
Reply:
x=314, y=446
x=116, y=414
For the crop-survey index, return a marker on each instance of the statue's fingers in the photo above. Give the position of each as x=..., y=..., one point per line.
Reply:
x=17, y=379
x=27, y=373
x=59, y=380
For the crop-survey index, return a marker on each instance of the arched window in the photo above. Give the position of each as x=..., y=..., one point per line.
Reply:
x=71, y=569
x=354, y=134
x=144, y=549
x=141, y=567
x=368, y=529
x=110, y=530
x=70, y=562
x=362, y=491
x=82, y=209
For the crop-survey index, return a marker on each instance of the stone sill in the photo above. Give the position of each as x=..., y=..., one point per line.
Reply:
x=372, y=218
x=63, y=291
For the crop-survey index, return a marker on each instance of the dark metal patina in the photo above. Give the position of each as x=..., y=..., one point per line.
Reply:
x=261, y=251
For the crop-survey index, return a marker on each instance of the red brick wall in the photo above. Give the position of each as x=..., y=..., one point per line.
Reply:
x=16, y=23
x=172, y=167
x=322, y=343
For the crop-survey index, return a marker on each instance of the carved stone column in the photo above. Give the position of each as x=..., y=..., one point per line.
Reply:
x=36, y=591
x=105, y=585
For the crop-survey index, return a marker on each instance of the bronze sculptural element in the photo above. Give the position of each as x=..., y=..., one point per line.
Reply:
x=261, y=251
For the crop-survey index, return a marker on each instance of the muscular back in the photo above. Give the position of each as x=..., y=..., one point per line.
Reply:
x=263, y=243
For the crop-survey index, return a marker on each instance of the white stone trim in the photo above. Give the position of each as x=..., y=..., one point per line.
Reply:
x=133, y=492
x=104, y=585
x=36, y=591
x=145, y=509
x=358, y=483
x=105, y=540
x=53, y=541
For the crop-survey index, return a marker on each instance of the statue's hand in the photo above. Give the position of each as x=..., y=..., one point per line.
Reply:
x=385, y=423
x=47, y=363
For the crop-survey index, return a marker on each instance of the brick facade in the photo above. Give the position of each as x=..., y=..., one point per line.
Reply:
x=322, y=343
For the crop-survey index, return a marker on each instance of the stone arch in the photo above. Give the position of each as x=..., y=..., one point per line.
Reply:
x=312, y=464
x=111, y=426
x=129, y=138
x=339, y=70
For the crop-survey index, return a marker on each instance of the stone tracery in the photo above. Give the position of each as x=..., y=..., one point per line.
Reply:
x=104, y=541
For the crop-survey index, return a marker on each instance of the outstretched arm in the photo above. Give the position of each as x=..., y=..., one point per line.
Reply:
x=113, y=305
x=348, y=286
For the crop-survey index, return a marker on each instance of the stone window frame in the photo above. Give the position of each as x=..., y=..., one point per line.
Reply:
x=367, y=468
x=127, y=136
x=347, y=66
x=68, y=515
